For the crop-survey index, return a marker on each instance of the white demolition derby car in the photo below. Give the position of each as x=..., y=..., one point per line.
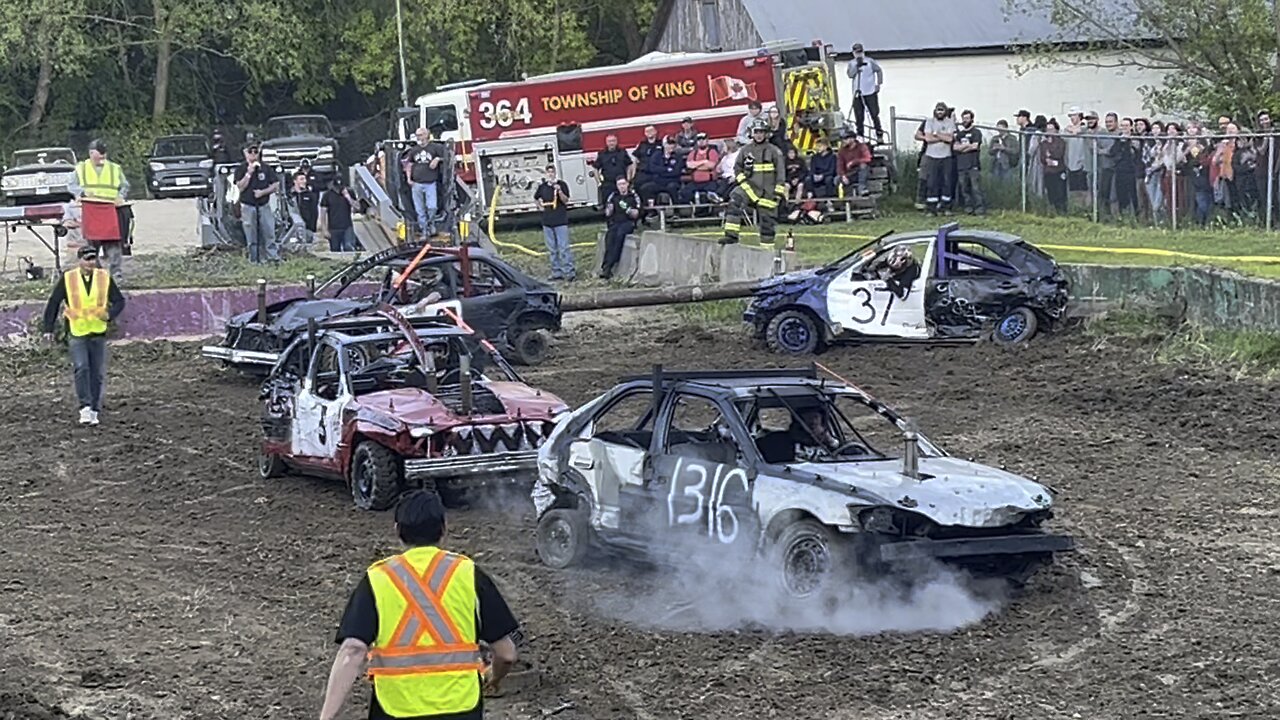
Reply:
x=785, y=466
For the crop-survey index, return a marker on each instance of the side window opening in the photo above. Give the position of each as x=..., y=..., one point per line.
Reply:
x=327, y=372
x=485, y=279
x=628, y=421
x=698, y=429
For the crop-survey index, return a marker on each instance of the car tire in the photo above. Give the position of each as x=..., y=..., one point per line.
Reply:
x=375, y=476
x=529, y=347
x=793, y=332
x=1017, y=326
x=563, y=537
x=807, y=555
x=271, y=466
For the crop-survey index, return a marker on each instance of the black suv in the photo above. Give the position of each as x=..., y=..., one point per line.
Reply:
x=180, y=165
x=288, y=140
x=496, y=300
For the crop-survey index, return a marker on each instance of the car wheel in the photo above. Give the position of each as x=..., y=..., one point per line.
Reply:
x=808, y=554
x=529, y=347
x=793, y=332
x=375, y=476
x=1017, y=326
x=270, y=466
x=562, y=537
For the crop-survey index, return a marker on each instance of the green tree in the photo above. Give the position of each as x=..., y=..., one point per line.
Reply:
x=1216, y=55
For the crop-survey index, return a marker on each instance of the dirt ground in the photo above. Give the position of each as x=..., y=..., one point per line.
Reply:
x=146, y=572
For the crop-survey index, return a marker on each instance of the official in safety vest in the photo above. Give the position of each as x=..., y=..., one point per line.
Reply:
x=102, y=179
x=92, y=301
x=418, y=618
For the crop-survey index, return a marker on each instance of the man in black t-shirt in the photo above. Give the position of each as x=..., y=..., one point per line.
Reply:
x=967, y=147
x=621, y=212
x=335, y=217
x=552, y=198
x=612, y=163
x=420, y=523
x=422, y=168
x=306, y=199
x=257, y=183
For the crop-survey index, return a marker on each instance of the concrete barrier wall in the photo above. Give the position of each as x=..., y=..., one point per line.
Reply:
x=659, y=258
x=1203, y=295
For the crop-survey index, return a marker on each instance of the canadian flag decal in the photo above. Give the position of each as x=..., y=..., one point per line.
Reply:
x=725, y=88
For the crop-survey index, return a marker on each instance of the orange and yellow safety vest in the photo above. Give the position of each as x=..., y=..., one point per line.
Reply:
x=86, y=310
x=425, y=659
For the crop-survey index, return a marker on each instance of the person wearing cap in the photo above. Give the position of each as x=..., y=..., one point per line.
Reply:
x=220, y=154
x=92, y=301
x=687, y=138
x=334, y=216
x=937, y=134
x=257, y=183
x=100, y=178
x=867, y=77
x=701, y=162
x=663, y=171
x=418, y=619
x=853, y=165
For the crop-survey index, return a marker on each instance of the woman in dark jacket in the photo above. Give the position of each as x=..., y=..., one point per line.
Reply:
x=1053, y=158
x=778, y=129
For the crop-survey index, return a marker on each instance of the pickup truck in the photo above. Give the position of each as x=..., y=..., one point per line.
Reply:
x=289, y=140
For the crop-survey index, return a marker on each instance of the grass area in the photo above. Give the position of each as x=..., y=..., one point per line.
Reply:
x=1238, y=352
x=199, y=269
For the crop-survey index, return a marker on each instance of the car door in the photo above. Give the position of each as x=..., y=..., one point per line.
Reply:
x=698, y=491
x=317, y=423
x=610, y=451
x=861, y=302
x=490, y=297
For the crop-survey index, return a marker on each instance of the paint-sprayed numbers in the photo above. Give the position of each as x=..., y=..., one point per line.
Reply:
x=705, y=487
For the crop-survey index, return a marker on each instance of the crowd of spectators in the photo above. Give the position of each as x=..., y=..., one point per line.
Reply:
x=690, y=168
x=1127, y=167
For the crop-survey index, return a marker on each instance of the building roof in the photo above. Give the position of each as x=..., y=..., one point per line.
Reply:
x=912, y=25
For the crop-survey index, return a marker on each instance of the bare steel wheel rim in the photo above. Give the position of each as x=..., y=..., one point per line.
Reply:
x=364, y=478
x=560, y=540
x=806, y=563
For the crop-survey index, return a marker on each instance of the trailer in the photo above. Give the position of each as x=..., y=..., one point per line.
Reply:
x=505, y=134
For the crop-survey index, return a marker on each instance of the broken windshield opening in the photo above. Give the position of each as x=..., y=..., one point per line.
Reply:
x=812, y=427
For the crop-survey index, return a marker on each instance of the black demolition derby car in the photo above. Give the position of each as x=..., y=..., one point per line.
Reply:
x=498, y=302
x=793, y=469
x=943, y=285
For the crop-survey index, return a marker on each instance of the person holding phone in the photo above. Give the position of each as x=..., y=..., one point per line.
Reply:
x=552, y=198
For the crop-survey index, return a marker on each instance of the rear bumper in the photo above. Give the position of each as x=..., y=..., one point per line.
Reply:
x=986, y=547
x=466, y=471
x=239, y=357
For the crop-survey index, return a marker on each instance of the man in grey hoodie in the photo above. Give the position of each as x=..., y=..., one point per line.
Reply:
x=1106, y=164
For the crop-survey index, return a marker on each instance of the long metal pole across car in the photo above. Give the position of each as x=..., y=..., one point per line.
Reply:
x=404, y=275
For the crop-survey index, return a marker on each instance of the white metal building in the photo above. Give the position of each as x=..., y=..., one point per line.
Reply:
x=959, y=51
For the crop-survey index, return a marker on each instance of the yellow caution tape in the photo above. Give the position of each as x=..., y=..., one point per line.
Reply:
x=1158, y=252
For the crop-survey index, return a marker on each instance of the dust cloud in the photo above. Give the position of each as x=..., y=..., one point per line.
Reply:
x=717, y=594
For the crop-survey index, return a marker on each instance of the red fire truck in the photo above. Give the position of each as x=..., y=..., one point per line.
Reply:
x=505, y=134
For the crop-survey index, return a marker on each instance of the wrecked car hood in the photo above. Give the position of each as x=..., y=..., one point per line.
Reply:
x=417, y=407
x=294, y=314
x=951, y=491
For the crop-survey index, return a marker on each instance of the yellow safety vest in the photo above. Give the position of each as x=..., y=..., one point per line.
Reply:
x=425, y=660
x=86, y=311
x=101, y=182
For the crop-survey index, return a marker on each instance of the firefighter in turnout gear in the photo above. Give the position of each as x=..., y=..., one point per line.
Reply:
x=759, y=178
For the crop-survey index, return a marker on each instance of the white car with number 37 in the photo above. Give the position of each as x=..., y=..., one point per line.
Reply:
x=781, y=465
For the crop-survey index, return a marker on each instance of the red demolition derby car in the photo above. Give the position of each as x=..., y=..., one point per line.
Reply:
x=389, y=403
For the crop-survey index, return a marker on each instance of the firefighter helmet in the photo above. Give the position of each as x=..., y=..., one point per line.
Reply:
x=760, y=125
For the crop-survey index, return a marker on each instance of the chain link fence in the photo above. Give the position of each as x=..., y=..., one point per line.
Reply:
x=1180, y=181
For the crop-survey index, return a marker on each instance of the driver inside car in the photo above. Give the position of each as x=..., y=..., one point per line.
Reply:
x=812, y=436
x=899, y=271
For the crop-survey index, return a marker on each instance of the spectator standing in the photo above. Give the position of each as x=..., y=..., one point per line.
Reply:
x=687, y=138
x=922, y=179
x=725, y=174
x=1053, y=157
x=611, y=163
x=648, y=147
x=1153, y=173
x=92, y=301
x=1268, y=151
x=1175, y=191
x=305, y=199
x=1124, y=159
x=1141, y=134
x=1035, y=169
x=663, y=171
x=1005, y=151
x=257, y=183
x=1197, y=156
x=701, y=163
x=867, y=78
x=621, y=212
x=552, y=198
x=823, y=171
x=853, y=164
x=778, y=129
x=335, y=217
x=422, y=170
x=754, y=108
x=1245, y=174
x=1077, y=177
x=1092, y=130
x=796, y=170
x=968, y=150
x=219, y=153
x=1106, y=165
x=99, y=178
x=938, y=134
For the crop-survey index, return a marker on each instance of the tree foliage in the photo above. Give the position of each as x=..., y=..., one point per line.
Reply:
x=131, y=65
x=1217, y=56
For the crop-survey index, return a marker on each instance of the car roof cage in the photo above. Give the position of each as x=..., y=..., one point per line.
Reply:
x=659, y=375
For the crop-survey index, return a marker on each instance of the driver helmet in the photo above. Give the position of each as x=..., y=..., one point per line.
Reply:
x=899, y=257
